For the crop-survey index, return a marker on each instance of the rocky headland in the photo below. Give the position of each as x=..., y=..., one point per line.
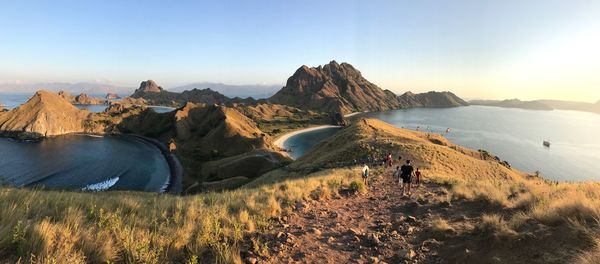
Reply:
x=44, y=114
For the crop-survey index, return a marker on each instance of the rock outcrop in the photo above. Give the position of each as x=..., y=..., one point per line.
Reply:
x=430, y=99
x=82, y=99
x=334, y=88
x=85, y=99
x=148, y=86
x=44, y=114
x=112, y=96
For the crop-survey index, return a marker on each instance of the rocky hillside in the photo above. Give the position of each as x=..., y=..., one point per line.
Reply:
x=44, y=114
x=213, y=142
x=430, y=99
x=156, y=95
x=334, y=88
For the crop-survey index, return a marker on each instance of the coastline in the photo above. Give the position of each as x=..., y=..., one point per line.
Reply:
x=174, y=184
x=354, y=113
x=283, y=138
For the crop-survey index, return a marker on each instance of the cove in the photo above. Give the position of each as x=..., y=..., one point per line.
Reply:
x=78, y=162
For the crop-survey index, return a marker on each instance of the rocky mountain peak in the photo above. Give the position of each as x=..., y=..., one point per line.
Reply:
x=149, y=86
x=333, y=87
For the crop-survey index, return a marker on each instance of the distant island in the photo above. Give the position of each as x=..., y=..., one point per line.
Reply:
x=547, y=105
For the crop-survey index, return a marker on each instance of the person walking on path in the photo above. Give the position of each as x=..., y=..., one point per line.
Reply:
x=365, y=174
x=418, y=177
x=407, y=172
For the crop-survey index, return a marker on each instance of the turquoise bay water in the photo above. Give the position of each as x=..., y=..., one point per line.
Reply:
x=301, y=143
x=515, y=135
x=83, y=162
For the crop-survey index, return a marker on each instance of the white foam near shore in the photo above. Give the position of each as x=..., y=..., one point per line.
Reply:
x=281, y=140
x=101, y=186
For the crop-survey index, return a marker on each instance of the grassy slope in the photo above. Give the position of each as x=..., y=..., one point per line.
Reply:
x=53, y=226
x=43, y=226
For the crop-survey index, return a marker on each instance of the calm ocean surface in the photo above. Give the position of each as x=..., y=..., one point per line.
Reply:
x=515, y=135
x=76, y=162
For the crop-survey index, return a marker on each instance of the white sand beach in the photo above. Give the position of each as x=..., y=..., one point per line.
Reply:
x=279, y=141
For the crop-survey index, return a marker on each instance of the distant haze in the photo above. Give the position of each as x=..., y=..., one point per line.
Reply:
x=74, y=88
x=256, y=91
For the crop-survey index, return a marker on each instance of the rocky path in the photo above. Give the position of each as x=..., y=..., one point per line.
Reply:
x=381, y=226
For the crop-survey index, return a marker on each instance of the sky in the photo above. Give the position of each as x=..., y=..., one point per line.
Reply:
x=534, y=49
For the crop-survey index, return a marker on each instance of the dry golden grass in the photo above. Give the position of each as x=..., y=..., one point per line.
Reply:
x=441, y=226
x=44, y=226
x=575, y=206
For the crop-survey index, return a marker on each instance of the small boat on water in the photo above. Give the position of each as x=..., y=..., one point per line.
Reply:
x=546, y=143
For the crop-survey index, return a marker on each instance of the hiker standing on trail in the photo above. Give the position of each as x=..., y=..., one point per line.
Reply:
x=407, y=172
x=365, y=174
x=389, y=159
x=418, y=177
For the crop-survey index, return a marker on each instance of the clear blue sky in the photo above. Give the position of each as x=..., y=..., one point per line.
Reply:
x=479, y=49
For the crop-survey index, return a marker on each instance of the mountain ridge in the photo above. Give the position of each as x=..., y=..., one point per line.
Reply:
x=334, y=87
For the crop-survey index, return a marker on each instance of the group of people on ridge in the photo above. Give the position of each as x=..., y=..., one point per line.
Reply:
x=402, y=174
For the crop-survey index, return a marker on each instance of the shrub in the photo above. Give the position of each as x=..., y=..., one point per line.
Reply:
x=441, y=225
x=495, y=224
x=358, y=186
